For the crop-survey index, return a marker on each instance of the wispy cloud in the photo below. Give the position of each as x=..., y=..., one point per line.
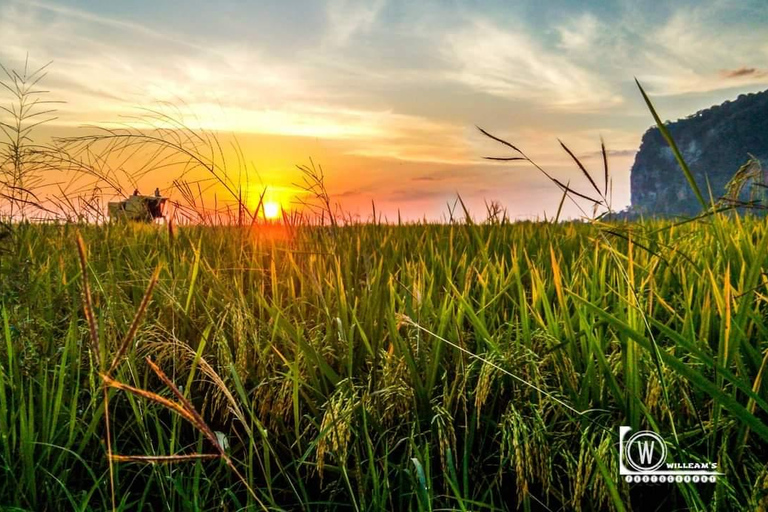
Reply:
x=743, y=72
x=618, y=153
x=579, y=34
x=346, y=18
x=685, y=55
x=137, y=28
x=512, y=64
x=223, y=87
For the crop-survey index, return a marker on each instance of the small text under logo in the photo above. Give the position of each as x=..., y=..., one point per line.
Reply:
x=643, y=458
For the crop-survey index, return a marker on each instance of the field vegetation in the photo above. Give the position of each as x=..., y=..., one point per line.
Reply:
x=456, y=366
x=322, y=363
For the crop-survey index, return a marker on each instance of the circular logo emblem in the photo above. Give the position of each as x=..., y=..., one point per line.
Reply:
x=645, y=451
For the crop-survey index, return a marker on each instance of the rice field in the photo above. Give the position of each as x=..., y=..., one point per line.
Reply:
x=470, y=366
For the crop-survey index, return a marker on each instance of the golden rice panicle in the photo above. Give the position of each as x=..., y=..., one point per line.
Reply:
x=391, y=401
x=759, y=499
x=488, y=373
x=513, y=448
x=337, y=426
x=446, y=434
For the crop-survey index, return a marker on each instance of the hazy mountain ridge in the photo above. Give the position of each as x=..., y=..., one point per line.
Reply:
x=715, y=142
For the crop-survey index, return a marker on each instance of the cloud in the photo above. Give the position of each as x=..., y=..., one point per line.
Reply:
x=89, y=17
x=743, y=72
x=346, y=18
x=355, y=192
x=618, y=153
x=579, y=34
x=452, y=174
x=411, y=194
x=685, y=54
x=223, y=87
x=513, y=65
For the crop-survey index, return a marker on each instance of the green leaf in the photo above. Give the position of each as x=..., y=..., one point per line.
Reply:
x=678, y=155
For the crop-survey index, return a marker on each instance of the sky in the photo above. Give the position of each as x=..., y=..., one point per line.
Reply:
x=386, y=95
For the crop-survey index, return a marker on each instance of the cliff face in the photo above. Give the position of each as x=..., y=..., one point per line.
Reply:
x=714, y=142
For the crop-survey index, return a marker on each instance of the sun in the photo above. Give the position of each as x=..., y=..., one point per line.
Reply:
x=271, y=210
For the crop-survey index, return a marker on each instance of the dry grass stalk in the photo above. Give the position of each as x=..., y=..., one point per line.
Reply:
x=183, y=407
x=94, y=332
x=164, y=459
x=135, y=323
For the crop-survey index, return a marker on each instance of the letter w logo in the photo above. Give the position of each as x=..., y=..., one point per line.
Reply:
x=646, y=452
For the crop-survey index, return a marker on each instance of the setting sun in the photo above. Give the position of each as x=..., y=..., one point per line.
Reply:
x=271, y=210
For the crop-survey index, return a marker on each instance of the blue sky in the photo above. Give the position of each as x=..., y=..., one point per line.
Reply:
x=386, y=94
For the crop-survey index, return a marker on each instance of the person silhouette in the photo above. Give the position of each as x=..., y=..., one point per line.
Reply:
x=157, y=192
x=136, y=192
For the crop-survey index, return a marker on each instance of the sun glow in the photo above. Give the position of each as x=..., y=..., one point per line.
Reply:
x=271, y=210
